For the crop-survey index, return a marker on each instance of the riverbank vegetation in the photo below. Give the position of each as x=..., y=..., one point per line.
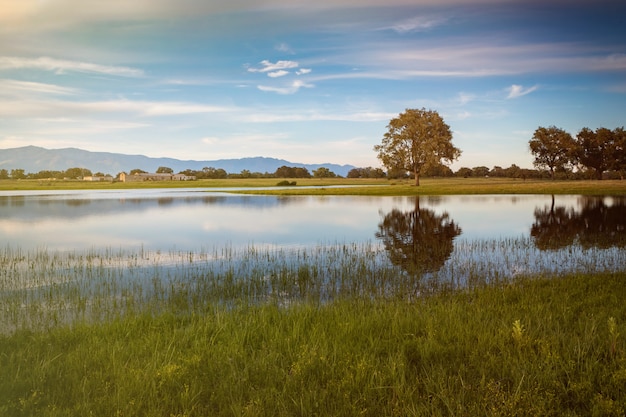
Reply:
x=330, y=331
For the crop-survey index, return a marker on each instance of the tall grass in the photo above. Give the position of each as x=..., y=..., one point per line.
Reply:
x=334, y=330
x=530, y=347
x=42, y=288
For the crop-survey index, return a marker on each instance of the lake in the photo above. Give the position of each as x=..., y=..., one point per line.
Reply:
x=200, y=219
x=92, y=255
x=122, y=244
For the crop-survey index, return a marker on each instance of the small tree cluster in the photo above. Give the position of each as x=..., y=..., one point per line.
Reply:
x=596, y=151
x=20, y=174
x=292, y=172
x=368, y=172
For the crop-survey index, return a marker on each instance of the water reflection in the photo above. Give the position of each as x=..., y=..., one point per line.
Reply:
x=419, y=240
x=598, y=222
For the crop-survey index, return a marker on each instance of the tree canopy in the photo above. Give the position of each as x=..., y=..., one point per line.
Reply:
x=416, y=140
x=551, y=147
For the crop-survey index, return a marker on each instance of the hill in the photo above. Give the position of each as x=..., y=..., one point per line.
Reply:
x=34, y=159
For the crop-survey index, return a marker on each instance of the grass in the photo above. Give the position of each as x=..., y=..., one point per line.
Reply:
x=537, y=346
x=373, y=187
x=330, y=331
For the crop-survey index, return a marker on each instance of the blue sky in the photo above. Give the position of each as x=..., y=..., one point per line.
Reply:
x=307, y=81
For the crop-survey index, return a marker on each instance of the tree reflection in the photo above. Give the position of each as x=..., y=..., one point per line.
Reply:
x=420, y=240
x=597, y=224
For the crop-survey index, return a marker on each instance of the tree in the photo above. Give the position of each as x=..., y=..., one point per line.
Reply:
x=323, y=172
x=480, y=171
x=551, y=147
x=415, y=141
x=164, y=170
x=464, y=172
x=18, y=174
x=594, y=149
x=137, y=171
x=215, y=173
x=77, y=172
x=619, y=151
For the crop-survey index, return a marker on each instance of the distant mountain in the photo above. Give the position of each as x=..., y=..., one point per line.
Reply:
x=33, y=159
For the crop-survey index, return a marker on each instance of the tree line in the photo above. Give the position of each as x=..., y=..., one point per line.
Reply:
x=418, y=142
x=204, y=173
x=592, y=152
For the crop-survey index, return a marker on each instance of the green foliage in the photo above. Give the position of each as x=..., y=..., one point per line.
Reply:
x=415, y=141
x=552, y=147
x=164, y=170
x=292, y=172
x=601, y=150
x=323, y=172
x=285, y=183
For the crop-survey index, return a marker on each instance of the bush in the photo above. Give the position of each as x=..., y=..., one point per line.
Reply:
x=285, y=183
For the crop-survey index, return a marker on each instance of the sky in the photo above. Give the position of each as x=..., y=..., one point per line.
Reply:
x=306, y=81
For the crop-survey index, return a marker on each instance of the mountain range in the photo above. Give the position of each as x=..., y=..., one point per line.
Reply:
x=33, y=159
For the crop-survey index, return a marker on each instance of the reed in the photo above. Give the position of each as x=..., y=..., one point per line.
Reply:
x=42, y=288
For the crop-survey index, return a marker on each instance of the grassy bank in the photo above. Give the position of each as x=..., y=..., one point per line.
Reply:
x=533, y=347
x=429, y=186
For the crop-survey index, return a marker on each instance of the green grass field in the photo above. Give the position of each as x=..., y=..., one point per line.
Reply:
x=429, y=186
x=543, y=346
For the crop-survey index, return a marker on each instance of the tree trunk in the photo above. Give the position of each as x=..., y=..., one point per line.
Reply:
x=417, y=178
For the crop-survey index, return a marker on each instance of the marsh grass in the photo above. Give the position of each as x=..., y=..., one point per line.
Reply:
x=334, y=330
x=540, y=346
x=41, y=288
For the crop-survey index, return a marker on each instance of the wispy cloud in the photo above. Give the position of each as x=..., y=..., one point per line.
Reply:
x=61, y=66
x=41, y=108
x=292, y=88
x=277, y=74
x=267, y=66
x=16, y=86
x=516, y=91
x=417, y=24
x=317, y=116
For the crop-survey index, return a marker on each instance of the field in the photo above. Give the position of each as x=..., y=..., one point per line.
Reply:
x=429, y=186
x=89, y=334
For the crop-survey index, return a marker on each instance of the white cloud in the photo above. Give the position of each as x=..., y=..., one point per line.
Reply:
x=516, y=91
x=276, y=74
x=15, y=86
x=283, y=47
x=267, y=66
x=60, y=66
x=293, y=88
x=315, y=116
x=40, y=108
x=417, y=24
x=303, y=71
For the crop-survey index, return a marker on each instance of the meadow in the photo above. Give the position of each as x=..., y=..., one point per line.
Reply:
x=336, y=330
x=358, y=186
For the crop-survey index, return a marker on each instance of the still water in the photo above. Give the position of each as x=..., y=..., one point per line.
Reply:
x=418, y=234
